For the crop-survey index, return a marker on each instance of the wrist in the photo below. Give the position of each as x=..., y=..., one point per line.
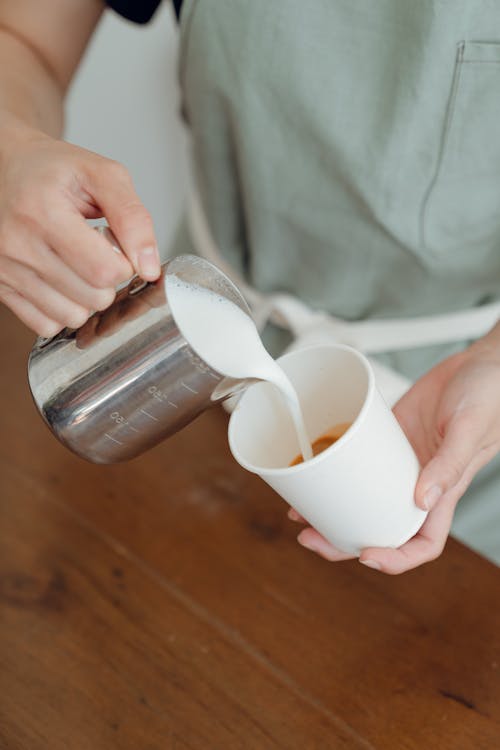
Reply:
x=13, y=133
x=489, y=344
x=14, y=129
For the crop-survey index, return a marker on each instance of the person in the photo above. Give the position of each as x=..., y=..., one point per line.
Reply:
x=346, y=153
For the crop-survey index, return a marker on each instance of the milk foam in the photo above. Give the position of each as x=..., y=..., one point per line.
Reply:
x=226, y=338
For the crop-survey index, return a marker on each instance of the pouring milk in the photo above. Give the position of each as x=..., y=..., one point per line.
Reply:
x=227, y=339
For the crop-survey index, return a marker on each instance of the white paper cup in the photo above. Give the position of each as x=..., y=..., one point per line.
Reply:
x=357, y=493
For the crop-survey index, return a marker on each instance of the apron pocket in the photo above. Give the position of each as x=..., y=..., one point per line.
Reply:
x=461, y=208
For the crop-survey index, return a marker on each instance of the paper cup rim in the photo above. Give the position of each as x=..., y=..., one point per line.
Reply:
x=290, y=470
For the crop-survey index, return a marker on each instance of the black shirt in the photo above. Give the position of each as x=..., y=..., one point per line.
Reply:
x=139, y=11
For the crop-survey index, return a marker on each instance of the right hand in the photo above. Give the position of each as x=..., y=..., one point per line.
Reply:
x=55, y=270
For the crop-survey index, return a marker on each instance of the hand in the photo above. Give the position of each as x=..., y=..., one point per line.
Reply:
x=54, y=268
x=452, y=418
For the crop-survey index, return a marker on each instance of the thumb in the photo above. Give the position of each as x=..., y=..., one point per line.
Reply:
x=461, y=443
x=131, y=223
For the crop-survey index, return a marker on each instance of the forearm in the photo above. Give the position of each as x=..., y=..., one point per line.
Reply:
x=30, y=95
x=41, y=45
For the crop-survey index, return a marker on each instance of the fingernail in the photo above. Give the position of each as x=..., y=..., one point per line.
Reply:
x=293, y=515
x=149, y=263
x=306, y=544
x=432, y=496
x=370, y=564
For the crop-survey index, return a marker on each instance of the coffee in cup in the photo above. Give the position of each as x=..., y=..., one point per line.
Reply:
x=324, y=441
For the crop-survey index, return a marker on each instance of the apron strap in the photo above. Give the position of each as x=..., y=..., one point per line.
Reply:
x=369, y=336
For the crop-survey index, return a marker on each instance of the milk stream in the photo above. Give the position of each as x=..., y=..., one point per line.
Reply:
x=226, y=338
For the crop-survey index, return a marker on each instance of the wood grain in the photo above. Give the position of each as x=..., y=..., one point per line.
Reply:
x=164, y=603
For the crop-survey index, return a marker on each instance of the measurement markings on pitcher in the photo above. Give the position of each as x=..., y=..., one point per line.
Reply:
x=202, y=366
x=112, y=438
x=121, y=421
x=191, y=390
x=161, y=396
x=143, y=411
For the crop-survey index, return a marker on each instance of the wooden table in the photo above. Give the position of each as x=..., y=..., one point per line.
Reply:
x=164, y=604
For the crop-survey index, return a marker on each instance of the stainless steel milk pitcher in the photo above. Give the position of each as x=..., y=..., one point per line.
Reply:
x=128, y=378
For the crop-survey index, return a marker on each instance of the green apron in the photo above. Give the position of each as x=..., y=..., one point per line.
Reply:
x=348, y=152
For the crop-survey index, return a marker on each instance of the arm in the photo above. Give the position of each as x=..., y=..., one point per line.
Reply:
x=41, y=44
x=54, y=270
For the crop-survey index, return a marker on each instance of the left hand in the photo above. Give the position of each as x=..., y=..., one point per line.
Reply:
x=451, y=417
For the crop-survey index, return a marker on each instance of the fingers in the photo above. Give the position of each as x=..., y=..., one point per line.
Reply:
x=57, y=274
x=30, y=315
x=131, y=223
x=294, y=516
x=424, y=547
x=442, y=483
x=51, y=303
x=461, y=443
x=312, y=540
x=58, y=296
x=87, y=253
